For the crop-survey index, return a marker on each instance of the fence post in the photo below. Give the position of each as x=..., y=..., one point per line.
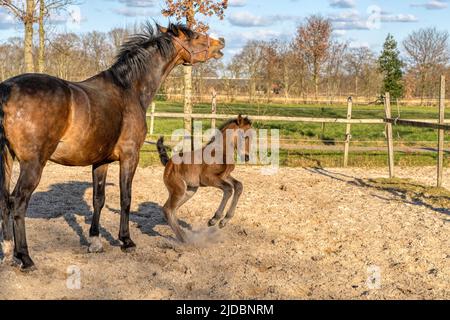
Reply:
x=440, y=165
x=389, y=134
x=348, y=131
x=213, y=108
x=152, y=118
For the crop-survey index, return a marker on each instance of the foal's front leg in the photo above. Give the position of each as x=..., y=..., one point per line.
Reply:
x=227, y=189
x=128, y=167
x=238, y=189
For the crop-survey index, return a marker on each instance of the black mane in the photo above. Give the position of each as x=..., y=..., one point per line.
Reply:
x=132, y=60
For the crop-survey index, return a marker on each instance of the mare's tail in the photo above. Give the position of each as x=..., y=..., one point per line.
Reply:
x=5, y=92
x=162, y=150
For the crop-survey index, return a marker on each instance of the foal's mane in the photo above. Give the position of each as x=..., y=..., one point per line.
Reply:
x=233, y=121
x=133, y=59
x=226, y=124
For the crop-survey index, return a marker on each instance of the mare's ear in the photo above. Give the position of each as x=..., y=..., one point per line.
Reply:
x=161, y=28
x=240, y=120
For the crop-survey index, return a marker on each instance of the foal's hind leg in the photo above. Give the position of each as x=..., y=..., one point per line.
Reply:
x=190, y=192
x=238, y=189
x=178, y=196
x=99, y=173
x=227, y=189
x=30, y=175
x=5, y=207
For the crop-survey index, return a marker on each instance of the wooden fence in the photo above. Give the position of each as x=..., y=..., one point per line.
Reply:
x=441, y=125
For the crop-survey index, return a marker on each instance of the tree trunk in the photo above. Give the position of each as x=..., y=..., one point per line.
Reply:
x=190, y=19
x=316, y=84
x=41, y=58
x=252, y=90
x=188, y=98
x=422, y=88
x=28, y=39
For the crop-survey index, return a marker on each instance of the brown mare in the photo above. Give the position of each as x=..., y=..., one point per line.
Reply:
x=94, y=122
x=183, y=178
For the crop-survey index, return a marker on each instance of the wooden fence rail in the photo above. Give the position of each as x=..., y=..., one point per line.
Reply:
x=440, y=124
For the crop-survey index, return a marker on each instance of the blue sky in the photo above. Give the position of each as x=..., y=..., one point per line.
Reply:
x=360, y=22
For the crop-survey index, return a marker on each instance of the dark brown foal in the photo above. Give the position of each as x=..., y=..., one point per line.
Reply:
x=183, y=179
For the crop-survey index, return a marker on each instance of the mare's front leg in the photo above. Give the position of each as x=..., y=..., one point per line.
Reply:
x=99, y=173
x=128, y=165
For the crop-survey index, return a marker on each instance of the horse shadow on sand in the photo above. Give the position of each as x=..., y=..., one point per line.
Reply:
x=409, y=192
x=67, y=200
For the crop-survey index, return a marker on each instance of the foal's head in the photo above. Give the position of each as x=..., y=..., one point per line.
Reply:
x=239, y=130
x=193, y=47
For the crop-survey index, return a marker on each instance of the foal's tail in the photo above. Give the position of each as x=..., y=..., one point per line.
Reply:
x=162, y=150
x=5, y=92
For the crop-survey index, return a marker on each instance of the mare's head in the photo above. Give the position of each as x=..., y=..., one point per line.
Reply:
x=193, y=47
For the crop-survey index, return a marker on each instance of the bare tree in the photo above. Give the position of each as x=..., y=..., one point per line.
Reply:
x=334, y=67
x=250, y=63
x=428, y=52
x=46, y=8
x=271, y=64
x=11, y=51
x=313, y=41
x=355, y=64
x=24, y=11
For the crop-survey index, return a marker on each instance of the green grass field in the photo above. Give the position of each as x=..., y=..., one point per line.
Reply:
x=304, y=134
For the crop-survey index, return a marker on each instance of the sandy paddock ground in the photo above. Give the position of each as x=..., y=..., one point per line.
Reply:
x=301, y=234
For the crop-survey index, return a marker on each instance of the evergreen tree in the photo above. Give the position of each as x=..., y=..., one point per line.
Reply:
x=391, y=67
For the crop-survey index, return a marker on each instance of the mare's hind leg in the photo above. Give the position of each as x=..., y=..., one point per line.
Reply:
x=227, y=189
x=5, y=207
x=99, y=173
x=238, y=189
x=30, y=175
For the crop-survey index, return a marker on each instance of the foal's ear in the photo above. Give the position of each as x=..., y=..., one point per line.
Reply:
x=240, y=120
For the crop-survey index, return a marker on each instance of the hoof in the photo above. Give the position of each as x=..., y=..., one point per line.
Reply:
x=212, y=222
x=223, y=224
x=128, y=246
x=28, y=269
x=25, y=264
x=96, y=245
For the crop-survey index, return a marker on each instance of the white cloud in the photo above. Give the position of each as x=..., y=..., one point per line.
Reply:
x=237, y=3
x=6, y=21
x=247, y=19
x=433, y=5
x=343, y=4
x=353, y=20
